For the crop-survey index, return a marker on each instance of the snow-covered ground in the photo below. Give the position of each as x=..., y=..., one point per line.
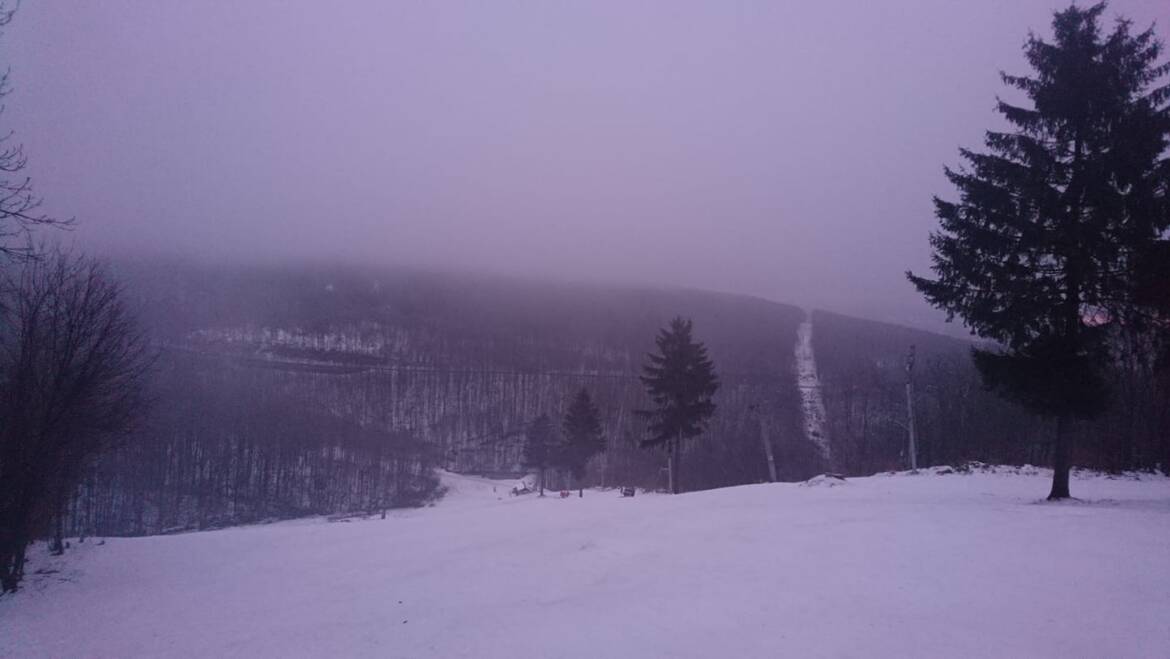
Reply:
x=897, y=566
x=812, y=405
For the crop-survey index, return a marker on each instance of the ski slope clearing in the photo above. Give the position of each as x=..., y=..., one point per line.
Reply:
x=812, y=405
x=905, y=565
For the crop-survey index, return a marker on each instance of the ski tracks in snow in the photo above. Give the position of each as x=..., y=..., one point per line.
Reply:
x=812, y=405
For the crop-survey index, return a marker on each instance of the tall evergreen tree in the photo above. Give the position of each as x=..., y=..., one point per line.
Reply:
x=583, y=436
x=540, y=446
x=1038, y=253
x=681, y=382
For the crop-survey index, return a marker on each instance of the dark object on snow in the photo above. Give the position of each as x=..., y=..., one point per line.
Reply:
x=627, y=491
x=564, y=494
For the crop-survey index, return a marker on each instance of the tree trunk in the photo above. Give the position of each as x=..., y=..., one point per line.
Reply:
x=1060, y=463
x=12, y=552
x=9, y=563
x=675, y=458
x=768, y=450
x=669, y=467
x=57, y=547
x=15, y=511
x=912, y=449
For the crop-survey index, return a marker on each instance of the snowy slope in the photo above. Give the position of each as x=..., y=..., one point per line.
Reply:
x=908, y=566
x=812, y=406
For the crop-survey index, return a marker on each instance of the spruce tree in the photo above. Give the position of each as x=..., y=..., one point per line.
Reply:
x=583, y=437
x=540, y=446
x=1039, y=252
x=681, y=381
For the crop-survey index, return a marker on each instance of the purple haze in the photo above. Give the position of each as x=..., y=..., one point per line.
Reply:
x=784, y=149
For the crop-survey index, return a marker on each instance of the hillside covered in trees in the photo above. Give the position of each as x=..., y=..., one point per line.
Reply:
x=289, y=391
x=283, y=391
x=862, y=367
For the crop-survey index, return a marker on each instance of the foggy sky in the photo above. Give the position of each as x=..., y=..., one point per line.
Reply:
x=783, y=149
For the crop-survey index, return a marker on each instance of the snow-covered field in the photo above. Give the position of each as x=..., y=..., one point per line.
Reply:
x=904, y=565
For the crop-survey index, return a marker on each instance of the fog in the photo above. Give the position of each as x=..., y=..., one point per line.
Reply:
x=782, y=149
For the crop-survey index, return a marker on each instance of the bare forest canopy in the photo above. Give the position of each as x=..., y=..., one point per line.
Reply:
x=295, y=390
x=862, y=368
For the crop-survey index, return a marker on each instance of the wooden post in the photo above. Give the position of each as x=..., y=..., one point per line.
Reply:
x=913, y=449
x=768, y=449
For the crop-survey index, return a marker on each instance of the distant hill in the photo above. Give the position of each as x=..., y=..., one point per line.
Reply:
x=448, y=369
x=293, y=390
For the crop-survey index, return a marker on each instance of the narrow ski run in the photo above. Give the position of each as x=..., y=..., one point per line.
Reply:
x=812, y=405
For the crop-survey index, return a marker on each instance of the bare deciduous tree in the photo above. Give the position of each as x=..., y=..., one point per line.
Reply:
x=72, y=363
x=19, y=206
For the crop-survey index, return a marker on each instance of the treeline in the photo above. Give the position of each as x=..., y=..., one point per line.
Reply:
x=255, y=421
x=464, y=364
x=266, y=409
x=863, y=376
x=478, y=419
x=251, y=420
x=226, y=445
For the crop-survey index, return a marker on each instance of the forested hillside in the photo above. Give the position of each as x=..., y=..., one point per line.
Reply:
x=863, y=377
x=288, y=391
x=284, y=391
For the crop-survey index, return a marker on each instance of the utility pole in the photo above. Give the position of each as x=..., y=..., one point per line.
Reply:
x=755, y=408
x=768, y=449
x=910, y=408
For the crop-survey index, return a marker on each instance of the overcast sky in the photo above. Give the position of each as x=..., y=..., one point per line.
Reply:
x=784, y=149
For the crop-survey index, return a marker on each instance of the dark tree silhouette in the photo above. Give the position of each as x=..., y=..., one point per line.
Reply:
x=583, y=436
x=72, y=363
x=540, y=446
x=681, y=381
x=1038, y=252
x=19, y=206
